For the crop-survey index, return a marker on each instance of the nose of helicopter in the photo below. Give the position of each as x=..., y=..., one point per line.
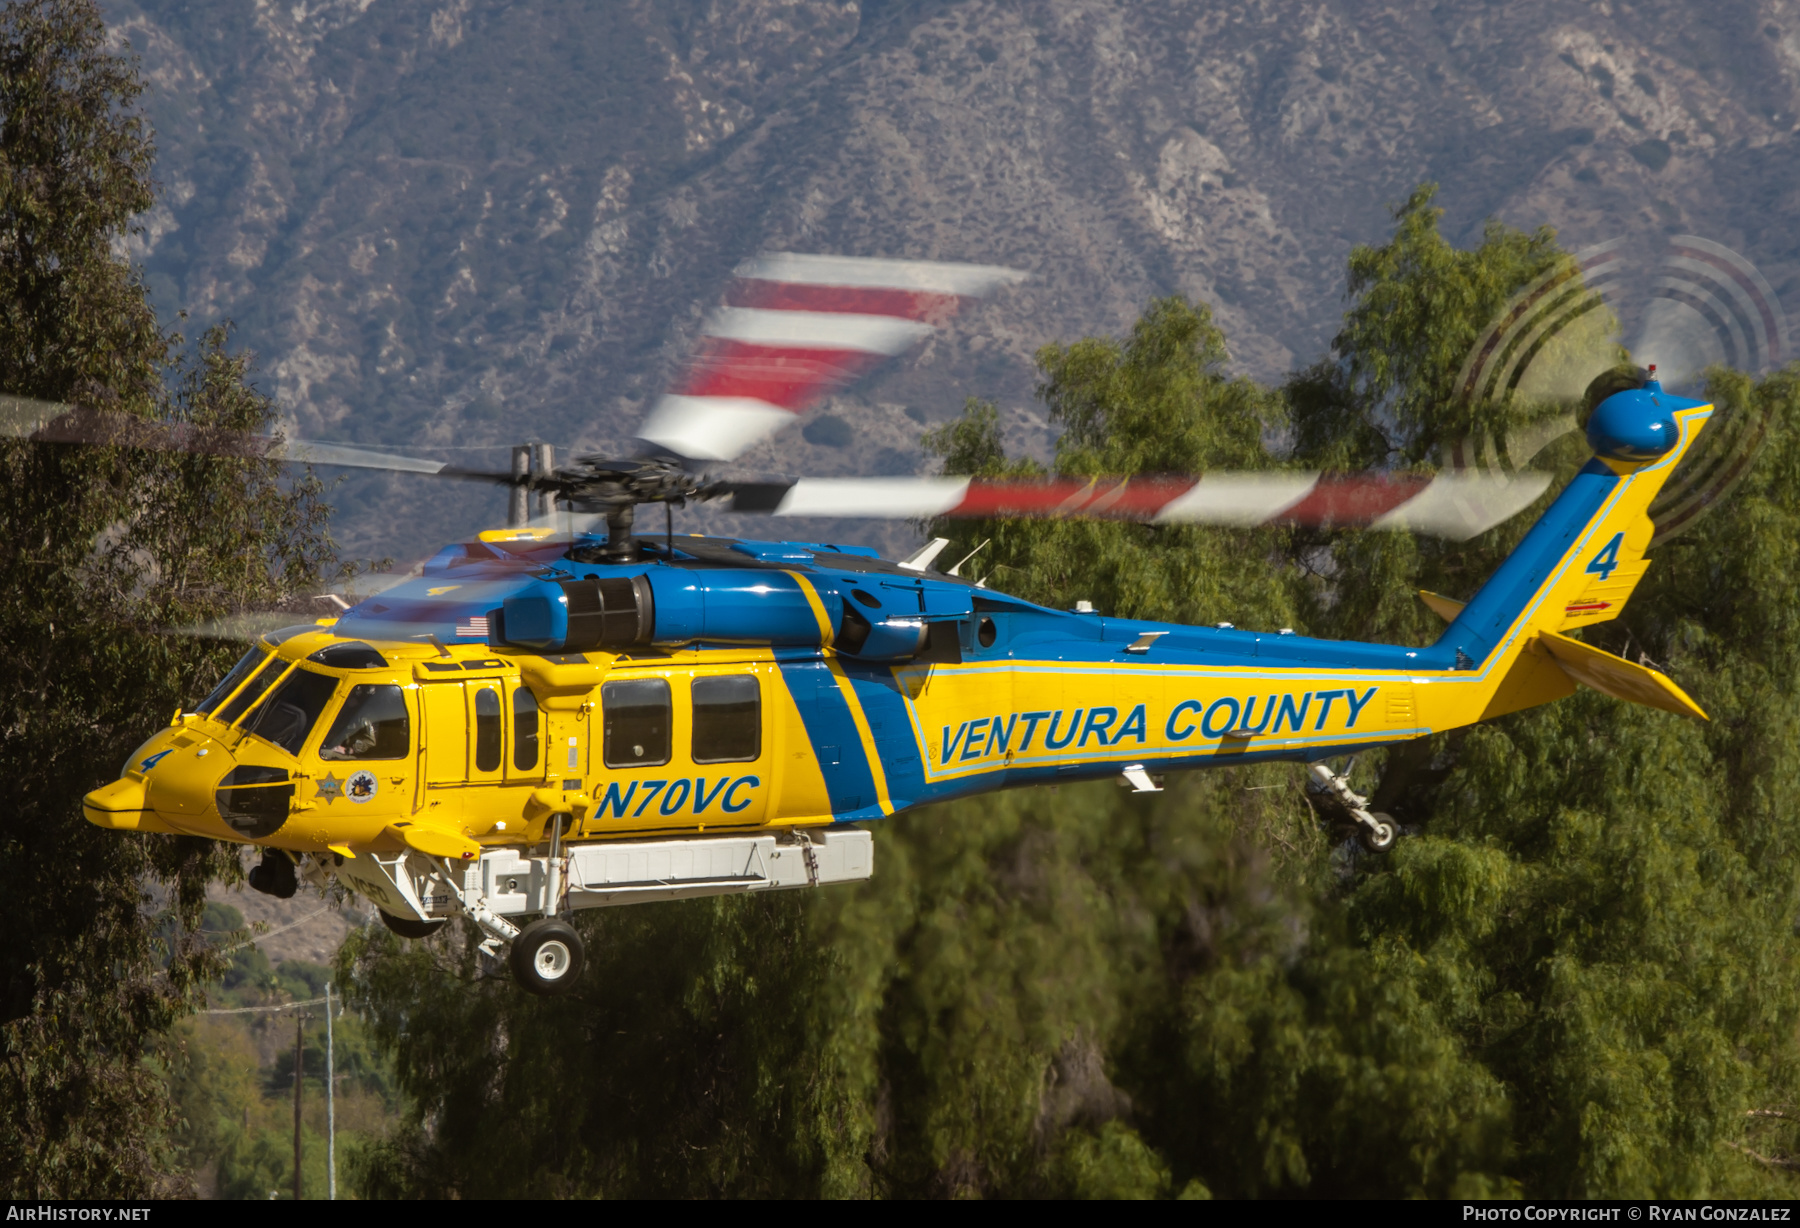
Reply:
x=167, y=786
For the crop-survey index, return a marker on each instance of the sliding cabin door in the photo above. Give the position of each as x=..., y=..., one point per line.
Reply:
x=681, y=750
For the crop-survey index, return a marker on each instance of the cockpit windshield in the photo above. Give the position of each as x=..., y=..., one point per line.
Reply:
x=239, y=672
x=253, y=690
x=293, y=710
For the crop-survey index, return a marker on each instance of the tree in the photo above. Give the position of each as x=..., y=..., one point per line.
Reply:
x=100, y=549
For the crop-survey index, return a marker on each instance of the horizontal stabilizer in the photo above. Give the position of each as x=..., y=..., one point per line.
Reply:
x=1446, y=608
x=1618, y=677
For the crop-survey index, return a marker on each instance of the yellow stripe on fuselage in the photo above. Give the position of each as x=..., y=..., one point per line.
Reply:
x=863, y=732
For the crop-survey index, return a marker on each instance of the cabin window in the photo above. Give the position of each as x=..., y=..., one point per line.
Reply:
x=239, y=672
x=525, y=729
x=293, y=709
x=372, y=724
x=727, y=719
x=636, y=716
x=487, y=730
x=987, y=633
x=253, y=691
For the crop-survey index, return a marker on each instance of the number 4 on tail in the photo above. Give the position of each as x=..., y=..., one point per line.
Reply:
x=1607, y=561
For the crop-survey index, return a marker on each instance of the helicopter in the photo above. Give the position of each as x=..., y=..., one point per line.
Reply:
x=542, y=721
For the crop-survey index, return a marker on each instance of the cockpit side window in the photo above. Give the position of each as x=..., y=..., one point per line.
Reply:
x=293, y=710
x=373, y=724
x=239, y=672
x=253, y=691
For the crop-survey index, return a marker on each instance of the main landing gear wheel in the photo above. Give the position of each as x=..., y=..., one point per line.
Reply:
x=547, y=957
x=406, y=927
x=1379, y=837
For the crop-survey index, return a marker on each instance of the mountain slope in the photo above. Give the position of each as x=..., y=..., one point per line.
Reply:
x=478, y=222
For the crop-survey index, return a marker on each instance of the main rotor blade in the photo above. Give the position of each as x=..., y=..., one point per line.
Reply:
x=795, y=328
x=58, y=422
x=1452, y=505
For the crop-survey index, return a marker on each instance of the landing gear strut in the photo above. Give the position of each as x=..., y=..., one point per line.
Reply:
x=1377, y=831
x=546, y=956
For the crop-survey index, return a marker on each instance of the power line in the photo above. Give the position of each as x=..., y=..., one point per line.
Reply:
x=255, y=938
x=251, y=1010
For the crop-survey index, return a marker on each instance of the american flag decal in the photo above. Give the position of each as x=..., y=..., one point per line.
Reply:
x=475, y=627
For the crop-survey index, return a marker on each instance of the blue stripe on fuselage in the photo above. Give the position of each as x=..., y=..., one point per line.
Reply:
x=890, y=724
x=832, y=731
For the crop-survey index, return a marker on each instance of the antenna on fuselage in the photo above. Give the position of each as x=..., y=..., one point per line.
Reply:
x=957, y=570
x=925, y=555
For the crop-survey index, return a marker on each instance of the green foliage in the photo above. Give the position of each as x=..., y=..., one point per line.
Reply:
x=98, y=549
x=1418, y=308
x=1389, y=395
x=231, y=1082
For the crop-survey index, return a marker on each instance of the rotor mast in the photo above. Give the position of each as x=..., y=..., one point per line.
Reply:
x=532, y=464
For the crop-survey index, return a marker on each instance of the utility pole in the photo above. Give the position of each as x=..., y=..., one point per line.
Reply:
x=330, y=1103
x=299, y=1052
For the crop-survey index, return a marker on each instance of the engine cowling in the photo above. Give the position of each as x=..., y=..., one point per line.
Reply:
x=908, y=619
x=612, y=613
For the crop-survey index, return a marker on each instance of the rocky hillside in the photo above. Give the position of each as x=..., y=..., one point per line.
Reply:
x=467, y=223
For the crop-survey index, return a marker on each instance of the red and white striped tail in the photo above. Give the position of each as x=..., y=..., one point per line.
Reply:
x=794, y=328
x=1455, y=505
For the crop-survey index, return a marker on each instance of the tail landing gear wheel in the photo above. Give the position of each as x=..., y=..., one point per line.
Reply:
x=547, y=957
x=406, y=927
x=1380, y=838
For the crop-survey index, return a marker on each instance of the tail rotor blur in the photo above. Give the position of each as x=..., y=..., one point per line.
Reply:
x=1686, y=304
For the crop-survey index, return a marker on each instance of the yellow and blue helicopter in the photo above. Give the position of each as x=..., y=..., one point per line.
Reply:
x=543, y=721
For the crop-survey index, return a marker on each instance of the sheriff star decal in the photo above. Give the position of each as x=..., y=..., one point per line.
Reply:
x=330, y=788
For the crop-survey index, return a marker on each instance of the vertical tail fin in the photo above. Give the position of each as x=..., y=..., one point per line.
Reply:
x=1581, y=561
